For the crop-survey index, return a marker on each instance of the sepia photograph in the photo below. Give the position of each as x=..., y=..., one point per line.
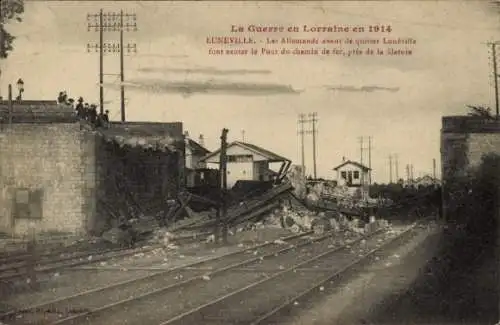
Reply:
x=249, y=162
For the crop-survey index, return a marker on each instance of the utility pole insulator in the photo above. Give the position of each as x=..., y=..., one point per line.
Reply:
x=112, y=22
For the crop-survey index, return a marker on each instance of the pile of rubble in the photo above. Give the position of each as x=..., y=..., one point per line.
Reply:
x=296, y=177
x=162, y=236
x=301, y=220
x=288, y=213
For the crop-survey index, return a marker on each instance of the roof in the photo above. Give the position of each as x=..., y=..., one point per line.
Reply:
x=350, y=162
x=269, y=155
x=37, y=111
x=197, y=148
x=146, y=135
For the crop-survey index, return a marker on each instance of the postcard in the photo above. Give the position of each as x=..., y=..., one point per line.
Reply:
x=249, y=162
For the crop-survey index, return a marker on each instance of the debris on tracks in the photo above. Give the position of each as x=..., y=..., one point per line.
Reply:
x=210, y=239
x=162, y=236
x=117, y=236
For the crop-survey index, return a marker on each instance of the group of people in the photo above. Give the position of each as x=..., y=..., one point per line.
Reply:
x=85, y=111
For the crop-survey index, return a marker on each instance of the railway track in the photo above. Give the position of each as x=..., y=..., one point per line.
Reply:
x=104, y=301
x=260, y=301
x=186, y=288
x=65, y=304
x=327, y=285
x=245, y=287
x=16, y=266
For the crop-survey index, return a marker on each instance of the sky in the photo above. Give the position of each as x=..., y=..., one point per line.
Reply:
x=398, y=101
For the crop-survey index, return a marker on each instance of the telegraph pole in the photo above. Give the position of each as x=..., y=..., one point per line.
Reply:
x=107, y=22
x=370, y=160
x=313, y=119
x=122, y=74
x=361, y=150
x=434, y=170
x=390, y=169
x=223, y=172
x=408, y=173
x=362, y=176
x=396, y=167
x=9, y=98
x=243, y=135
x=495, y=76
x=98, y=25
x=101, y=63
x=411, y=172
x=2, y=48
x=302, y=121
x=3, y=53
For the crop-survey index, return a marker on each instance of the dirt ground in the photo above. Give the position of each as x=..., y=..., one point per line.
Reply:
x=459, y=285
x=357, y=294
x=422, y=282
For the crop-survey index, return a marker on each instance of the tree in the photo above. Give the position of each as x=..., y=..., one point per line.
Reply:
x=10, y=10
x=480, y=111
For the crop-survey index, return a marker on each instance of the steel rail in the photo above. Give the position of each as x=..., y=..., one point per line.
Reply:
x=82, y=259
x=323, y=282
x=50, y=258
x=179, y=319
x=45, y=305
x=218, y=304
x=20, y=256
x=187, y=317
x=192, y=280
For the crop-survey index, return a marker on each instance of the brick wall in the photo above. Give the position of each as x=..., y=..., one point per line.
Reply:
x=463, y=151
x=56, y=158
x=89, y=190
x=480, y=144
x=464, y=141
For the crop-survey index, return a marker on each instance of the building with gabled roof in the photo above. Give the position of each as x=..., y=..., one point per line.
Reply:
x=354, y=176
x=246, y=161
x=353, y=163
x=196, y=171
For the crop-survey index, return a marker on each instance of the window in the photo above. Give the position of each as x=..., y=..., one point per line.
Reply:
x=349, y=178
x=28, y=203
x=344, y=175
x=239, y=158
x=356, y=175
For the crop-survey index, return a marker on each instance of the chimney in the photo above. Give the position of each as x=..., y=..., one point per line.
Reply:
x=186, y=134
x=201, y=140
x=343, y=159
